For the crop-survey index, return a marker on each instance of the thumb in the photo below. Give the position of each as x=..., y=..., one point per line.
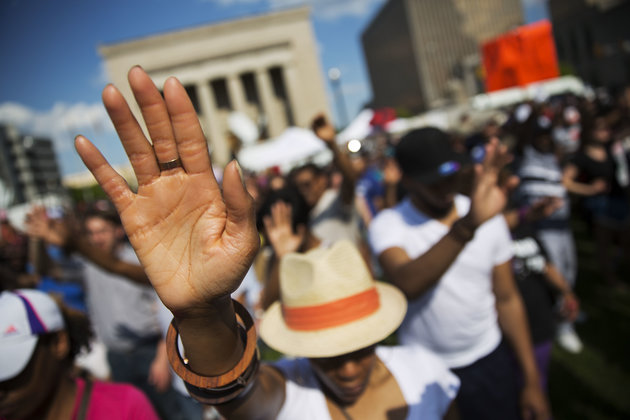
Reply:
x=241, y=218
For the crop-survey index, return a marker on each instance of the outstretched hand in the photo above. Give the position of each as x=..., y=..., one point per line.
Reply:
x=280, y=230
x=194, y=240
x=324, y=129
x=39, y=225
x=489, y=195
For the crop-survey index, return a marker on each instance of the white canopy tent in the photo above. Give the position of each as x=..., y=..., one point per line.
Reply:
x=293, y=147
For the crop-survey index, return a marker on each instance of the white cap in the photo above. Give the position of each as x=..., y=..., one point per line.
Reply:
x=25, y=314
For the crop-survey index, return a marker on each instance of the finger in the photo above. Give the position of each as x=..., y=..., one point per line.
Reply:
x=155, y=115
x=288, y=213
x=491, y=149
x=282, y=213
x=112, y=183
x=191, y=142
x=276, y=212
x=241, y=218
x=268, y=223
x=511, y=183
x=139, y=150
x=478, y=170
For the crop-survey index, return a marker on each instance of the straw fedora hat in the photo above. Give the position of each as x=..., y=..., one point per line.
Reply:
x=330, y=305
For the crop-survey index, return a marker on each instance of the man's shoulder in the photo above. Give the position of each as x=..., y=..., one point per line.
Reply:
x=398, y=212
x=417, y=364
x=412, y=354
x=296, y=370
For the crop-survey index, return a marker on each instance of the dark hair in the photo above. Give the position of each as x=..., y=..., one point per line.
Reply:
x=317, y=170
x=105, y=212
x=78, y=326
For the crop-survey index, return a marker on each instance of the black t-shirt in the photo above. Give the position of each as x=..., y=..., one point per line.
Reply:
x=591, y=169
x=529, y=262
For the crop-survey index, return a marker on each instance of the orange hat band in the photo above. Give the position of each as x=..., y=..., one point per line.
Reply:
x=332, y=314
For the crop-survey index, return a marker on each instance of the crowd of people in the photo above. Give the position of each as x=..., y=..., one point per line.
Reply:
x=457, y=247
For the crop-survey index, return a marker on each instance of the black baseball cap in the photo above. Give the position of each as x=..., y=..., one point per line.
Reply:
x=426, y=155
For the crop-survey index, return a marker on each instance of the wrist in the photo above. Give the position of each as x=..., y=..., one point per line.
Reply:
x=531, y=378
x=469, y=221
x=201, y=314
x=219, y=382
x=463, y=230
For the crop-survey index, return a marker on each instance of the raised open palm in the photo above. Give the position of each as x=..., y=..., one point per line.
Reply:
x=489, y=195
x=280, y=230
x=195, y=241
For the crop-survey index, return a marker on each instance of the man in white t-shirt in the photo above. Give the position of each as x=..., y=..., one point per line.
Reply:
x=450, y=255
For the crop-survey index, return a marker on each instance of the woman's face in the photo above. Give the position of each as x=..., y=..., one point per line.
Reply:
x=346, y=377
x=601, y=131
x=26, y=394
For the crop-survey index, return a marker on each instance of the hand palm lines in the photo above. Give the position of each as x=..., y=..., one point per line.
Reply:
x=201, y=222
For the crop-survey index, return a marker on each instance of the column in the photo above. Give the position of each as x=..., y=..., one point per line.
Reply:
x=292, y=86
x=276, y=122
x=212, y=125
x=237, y=93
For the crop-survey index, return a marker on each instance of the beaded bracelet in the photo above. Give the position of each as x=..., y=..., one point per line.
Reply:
x=223, y=388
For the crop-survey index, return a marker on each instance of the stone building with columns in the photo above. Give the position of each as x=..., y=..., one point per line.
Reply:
x=265, y=67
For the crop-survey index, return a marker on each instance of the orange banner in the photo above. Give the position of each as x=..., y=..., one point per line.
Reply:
x=522, y=56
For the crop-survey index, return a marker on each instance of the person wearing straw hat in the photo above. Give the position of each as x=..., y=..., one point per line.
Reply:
x=196, y=241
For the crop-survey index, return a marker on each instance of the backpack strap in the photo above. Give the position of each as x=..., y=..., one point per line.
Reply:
x=85, y=399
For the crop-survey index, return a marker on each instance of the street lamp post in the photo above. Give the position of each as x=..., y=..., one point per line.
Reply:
x=334, y=75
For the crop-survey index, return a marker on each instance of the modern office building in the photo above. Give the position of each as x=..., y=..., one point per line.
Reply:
x=265, y=67
x=593, y=39
x=28, y=167
x=421, y=54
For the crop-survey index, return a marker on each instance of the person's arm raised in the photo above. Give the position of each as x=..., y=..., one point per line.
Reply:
x=324, y=129
x=195, y=240
x=66, y=234
x=416, y=276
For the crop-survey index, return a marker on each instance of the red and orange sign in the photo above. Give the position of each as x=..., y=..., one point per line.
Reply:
x=520, y=57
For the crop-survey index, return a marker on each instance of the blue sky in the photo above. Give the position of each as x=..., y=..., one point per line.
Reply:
x=52, y=75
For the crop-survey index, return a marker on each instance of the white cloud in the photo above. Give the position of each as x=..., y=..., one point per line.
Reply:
x=61, y=123
x=101, y=78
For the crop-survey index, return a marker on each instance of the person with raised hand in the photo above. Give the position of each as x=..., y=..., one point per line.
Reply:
x=196, y=241
x=450, y=254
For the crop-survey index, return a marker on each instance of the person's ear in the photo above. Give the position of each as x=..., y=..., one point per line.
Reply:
x=61, y=345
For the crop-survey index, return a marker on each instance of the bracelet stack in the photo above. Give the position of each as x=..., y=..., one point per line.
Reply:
x=214, y=390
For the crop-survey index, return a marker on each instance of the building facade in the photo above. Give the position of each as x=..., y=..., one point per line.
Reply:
x=265, y=67
x=593, y=39
x=421, y=54
x=28, y=167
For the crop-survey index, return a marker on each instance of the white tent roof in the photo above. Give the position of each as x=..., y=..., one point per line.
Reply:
x=358, y=129
x=294, y=146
